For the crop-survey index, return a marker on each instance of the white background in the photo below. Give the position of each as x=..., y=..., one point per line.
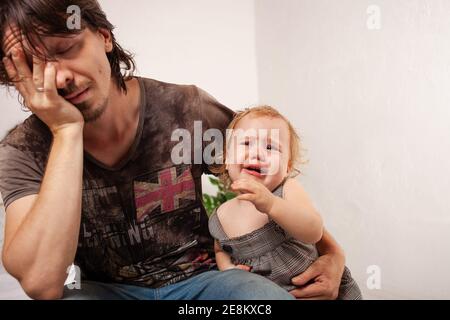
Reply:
x=371, y=106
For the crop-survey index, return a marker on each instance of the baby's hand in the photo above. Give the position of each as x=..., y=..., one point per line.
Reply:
x=243, y=267
x=254, y=192
x=236, y=266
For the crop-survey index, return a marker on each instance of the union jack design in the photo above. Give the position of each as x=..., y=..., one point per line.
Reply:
x=172, y=189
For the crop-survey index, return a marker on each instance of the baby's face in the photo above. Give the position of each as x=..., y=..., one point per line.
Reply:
x=259, y=149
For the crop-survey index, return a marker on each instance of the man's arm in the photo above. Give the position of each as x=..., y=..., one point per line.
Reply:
x=323, y=278
x=41, y=231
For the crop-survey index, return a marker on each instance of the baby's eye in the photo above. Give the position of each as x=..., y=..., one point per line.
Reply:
x=271, y=147
x=245, y=143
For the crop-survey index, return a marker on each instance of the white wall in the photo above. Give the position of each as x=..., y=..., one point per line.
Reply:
x=11, y=113
x=209, y=43
x=373, y=109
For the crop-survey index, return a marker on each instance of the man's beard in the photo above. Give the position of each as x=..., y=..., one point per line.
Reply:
x=92, y=114
x=89, y=113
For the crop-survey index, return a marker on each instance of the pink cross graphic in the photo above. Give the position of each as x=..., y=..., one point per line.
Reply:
x=166, y=192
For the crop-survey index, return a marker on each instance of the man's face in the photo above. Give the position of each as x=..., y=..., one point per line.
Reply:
x=83, y=72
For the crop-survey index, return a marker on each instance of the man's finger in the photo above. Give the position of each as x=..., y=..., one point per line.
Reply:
x=50, y=79
x=38, y=72
x=305, y=277
x=23, y=71
x=311, y=291
x=12, y=74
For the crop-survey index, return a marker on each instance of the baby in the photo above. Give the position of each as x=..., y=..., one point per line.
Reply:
x=271, y=227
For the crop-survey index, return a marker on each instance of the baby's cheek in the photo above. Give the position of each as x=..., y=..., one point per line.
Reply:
x=235, y=154
x=274, y=168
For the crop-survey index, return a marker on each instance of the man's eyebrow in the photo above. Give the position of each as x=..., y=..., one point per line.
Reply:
x=52, y=44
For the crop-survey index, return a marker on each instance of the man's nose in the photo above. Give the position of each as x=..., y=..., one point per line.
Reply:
x=63, y=76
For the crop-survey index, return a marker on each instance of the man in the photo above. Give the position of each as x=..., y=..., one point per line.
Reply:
x=89, y=176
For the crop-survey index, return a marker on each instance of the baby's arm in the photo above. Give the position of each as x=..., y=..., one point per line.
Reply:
x=223, y=259
x=296, y=214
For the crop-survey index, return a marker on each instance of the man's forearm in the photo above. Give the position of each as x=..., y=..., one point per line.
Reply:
x=45, y=244
x=327, y=245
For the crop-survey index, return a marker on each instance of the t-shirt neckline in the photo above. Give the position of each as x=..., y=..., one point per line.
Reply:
x=137, y=138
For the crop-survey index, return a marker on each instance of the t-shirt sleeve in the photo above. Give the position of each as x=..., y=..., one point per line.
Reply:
x=20, y=176
x=214, y=116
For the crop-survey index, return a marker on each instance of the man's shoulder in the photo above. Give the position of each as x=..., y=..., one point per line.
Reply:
x=32, y=135
x=168, y=102
x=173, y=93
x=160, y=89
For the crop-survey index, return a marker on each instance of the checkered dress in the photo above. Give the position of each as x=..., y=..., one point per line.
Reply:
x=272, y=253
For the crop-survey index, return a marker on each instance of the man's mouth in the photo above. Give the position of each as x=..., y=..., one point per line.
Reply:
x=77, y=97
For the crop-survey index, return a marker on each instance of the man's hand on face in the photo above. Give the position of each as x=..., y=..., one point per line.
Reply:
x=38, y=88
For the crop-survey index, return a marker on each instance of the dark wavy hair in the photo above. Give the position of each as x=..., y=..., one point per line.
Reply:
x=39, y=18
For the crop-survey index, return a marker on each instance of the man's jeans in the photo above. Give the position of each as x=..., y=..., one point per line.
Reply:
x=232, y=284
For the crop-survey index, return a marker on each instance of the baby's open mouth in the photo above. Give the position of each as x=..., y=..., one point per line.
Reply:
x=254, y=169
x=257, y=170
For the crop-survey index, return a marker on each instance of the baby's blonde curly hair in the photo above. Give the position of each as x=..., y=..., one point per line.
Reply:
x=296, y=149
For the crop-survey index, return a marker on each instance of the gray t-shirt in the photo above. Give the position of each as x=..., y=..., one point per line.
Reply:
x=142, y=222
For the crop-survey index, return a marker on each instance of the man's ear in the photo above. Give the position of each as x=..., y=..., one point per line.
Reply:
x=106, y=34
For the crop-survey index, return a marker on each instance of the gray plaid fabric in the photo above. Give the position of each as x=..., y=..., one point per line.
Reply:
x=272, y=253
